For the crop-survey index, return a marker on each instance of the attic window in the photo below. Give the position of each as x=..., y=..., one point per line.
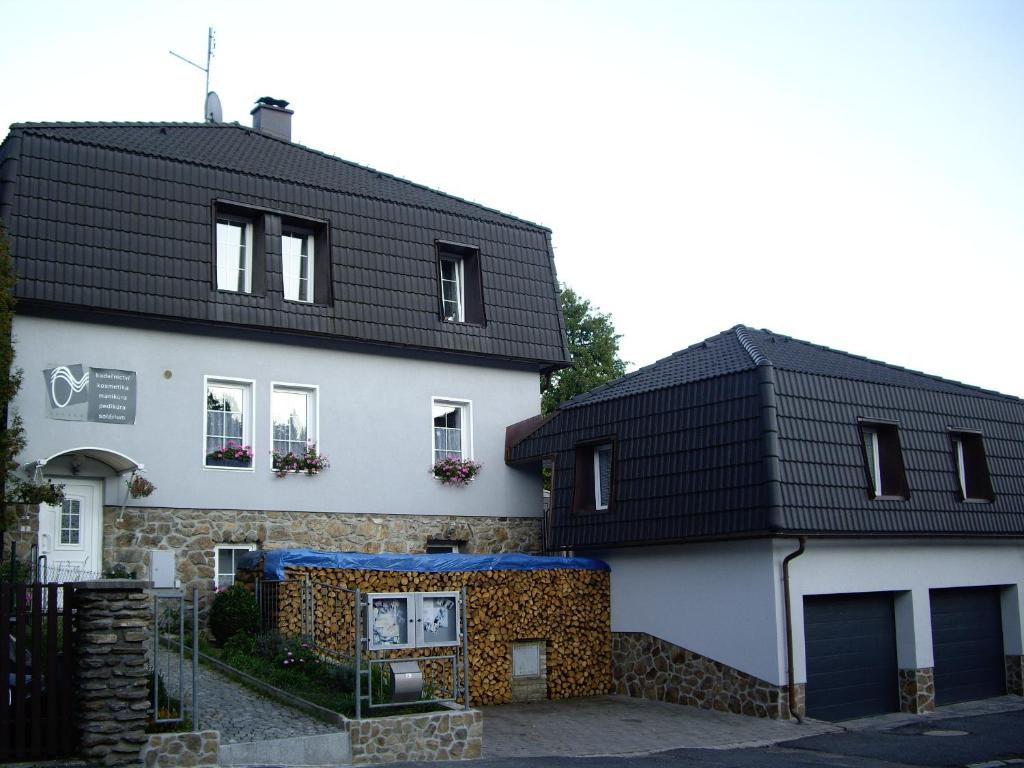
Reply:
x=971, y=467
x=460, y=293
x=234, y=255
x=883, y=459
x=593, y=489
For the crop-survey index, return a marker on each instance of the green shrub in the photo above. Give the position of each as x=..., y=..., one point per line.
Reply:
x=234, y=611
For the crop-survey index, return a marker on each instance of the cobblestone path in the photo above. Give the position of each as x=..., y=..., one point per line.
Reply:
x=241, y=714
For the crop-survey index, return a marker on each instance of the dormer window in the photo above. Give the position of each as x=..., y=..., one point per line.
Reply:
x=297, y=262
x=884, y=461
x=971, y=467
x=460, y=292
x=593, y=485
x=234, y=255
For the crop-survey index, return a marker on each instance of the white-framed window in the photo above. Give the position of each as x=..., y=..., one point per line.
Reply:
x=293, y=417
x=225, y=558
x=452, y=289
x=441, y=547
x=234, y=255
x=452, y=429
x=297, y=265
x=228, y=423
x=602, y=475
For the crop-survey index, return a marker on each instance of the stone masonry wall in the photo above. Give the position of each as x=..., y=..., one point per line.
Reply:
x=22, y=521
x=1015, y=675
x=194, y=533
x=644, y=666
x=114, y=620
x=171, y=750
x=917, y=690
x=450, y=735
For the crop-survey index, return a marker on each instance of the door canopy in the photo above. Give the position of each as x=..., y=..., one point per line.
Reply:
x=118, y=462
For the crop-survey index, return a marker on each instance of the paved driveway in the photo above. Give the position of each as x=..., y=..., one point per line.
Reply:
x=616, y=725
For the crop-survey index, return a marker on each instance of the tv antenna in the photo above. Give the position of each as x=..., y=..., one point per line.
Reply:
x=211, y=43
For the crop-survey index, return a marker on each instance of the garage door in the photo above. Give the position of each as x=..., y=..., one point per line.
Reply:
x=850, y=643
x=967, y=639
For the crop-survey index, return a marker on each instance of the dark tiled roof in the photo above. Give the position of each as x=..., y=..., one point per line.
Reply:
x=741, y=348
x=117, y=219
x=234, y=147
x=754, y=433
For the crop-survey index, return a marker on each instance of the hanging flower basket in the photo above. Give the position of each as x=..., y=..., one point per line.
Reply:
x=139, y=487
x=452, y=471
x=309, y=461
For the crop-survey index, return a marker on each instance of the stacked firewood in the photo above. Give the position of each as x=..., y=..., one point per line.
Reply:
x=567, y=608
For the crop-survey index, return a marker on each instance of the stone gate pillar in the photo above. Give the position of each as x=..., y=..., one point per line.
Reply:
x=115, y=618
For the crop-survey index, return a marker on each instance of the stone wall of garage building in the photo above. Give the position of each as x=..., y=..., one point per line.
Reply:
x=1015, y=675
x=917, y=690
x=193, y=533
x=644, y=666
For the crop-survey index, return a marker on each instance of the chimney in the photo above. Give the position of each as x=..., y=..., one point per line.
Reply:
x=271, y=116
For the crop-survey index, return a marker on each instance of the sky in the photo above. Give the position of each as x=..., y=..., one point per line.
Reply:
x=848, y=173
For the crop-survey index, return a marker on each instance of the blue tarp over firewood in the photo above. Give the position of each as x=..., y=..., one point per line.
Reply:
x=276, y=560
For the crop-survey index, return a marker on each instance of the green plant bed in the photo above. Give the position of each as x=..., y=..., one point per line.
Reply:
x=294, y=668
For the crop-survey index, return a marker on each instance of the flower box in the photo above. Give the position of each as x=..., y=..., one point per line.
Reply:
x=241, y=463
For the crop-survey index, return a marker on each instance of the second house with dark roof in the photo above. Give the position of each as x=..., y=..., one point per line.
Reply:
x=196, y=298
x=795, y=529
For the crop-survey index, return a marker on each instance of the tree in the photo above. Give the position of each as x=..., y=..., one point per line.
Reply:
x=593, y=347
x=14, y=488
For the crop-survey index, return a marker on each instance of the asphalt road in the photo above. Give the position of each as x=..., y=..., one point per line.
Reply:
x=996, y=739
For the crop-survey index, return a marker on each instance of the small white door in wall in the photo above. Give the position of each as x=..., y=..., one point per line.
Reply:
x=70, y=534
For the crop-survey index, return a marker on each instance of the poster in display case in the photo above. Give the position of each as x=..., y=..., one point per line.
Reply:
x=437, y=619
x=412, y=620
x=390, y=619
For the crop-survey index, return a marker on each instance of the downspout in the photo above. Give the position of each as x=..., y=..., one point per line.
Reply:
x=802, y=540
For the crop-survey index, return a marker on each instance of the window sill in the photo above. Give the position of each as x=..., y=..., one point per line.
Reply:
x=890, y=498
x=466, y=323
x=977, y=501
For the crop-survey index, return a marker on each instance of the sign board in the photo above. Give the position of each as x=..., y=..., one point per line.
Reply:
x=102, y=395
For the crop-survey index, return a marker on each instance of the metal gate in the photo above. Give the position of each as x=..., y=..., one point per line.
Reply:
x=38, y=711
x=175, y=687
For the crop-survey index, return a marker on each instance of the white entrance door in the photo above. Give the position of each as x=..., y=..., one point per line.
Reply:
x=71, y=534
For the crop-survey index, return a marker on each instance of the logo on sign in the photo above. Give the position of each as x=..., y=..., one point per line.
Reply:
x=68, y=385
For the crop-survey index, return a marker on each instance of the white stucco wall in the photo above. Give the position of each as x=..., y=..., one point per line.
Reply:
x=374, y=422
x=720, y=600
x=908, y=568
x=725, y=600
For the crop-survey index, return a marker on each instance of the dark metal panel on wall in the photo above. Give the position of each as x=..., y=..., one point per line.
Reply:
x=967, y=640
x=850, y=649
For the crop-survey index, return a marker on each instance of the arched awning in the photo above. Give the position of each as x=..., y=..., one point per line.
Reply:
x=116, y=460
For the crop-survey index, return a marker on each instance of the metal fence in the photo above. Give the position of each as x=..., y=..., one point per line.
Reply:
x=333, y=621
x=38, y=711
x=176, y=657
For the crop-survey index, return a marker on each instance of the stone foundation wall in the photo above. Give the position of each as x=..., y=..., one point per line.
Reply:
x=171, y=750
x=1015, y=675
x=114, y=640
x=449, y=735
x=917, y=690
x=194, y=533
x=22, y=527
x=644, y=666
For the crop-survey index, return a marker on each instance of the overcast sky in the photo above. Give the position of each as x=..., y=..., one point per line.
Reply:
x=849, y=173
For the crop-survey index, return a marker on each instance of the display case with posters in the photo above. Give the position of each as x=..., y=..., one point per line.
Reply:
x=390, y=620
x=437, y=619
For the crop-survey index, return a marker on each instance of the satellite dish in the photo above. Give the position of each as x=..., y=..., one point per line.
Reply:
x=214, y=113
